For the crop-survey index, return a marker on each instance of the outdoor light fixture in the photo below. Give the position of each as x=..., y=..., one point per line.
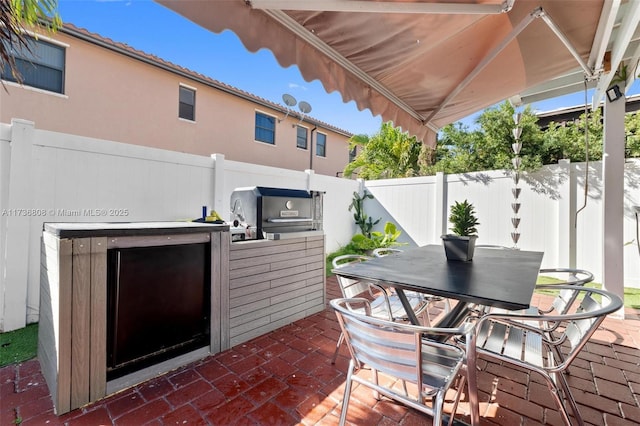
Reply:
x=614, y=93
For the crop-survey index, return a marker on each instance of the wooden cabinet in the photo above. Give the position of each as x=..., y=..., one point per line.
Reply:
x=256, y=287
x=271, y=284
x=72, y=341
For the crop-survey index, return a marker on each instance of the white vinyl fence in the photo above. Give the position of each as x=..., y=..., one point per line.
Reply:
x=52, y=177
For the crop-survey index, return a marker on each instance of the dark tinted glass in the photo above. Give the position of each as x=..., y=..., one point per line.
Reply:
x=321, y=145
x=301, y=137
x=265, y=128
x=187, y=107
x=41, y=67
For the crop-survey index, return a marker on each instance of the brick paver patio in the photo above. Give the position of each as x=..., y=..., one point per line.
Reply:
x=286, y=378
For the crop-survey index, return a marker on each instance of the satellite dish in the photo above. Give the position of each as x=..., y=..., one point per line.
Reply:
x=304, y=107
x=289, y=100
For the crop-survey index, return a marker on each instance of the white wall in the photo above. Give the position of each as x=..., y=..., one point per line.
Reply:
x=550, y=198
x=49, y=176
x=54, y=177
x=5, y=159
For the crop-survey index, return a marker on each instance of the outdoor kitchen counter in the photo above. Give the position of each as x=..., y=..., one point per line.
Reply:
x=118, y=229
x=272, y=283
x=72, y=340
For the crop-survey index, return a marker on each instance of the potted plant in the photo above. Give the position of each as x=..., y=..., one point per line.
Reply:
x=461, y=244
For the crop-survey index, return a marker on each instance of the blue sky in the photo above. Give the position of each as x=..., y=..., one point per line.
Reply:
x=150, y=27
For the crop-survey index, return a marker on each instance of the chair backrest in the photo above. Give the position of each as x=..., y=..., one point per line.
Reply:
x=587, y=317
x=571, y=329
x=350, y=287
x=385, y=251
x=567, y=276
x=399, y=349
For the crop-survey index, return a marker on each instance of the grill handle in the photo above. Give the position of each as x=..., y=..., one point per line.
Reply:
x=289, y=220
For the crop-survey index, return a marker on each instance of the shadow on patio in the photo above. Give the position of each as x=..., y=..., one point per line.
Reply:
x=286, y=378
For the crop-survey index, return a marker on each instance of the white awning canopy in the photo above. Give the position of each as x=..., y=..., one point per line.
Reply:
x=425, y=63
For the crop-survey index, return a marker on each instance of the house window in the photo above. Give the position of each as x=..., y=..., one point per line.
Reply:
x=265, y=128
x=321, y=145
x=41, y=66
x=187, y=103
x=301, y=137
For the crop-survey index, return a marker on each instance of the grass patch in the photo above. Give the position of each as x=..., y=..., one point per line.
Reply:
x=631, y=295
x=18, y=345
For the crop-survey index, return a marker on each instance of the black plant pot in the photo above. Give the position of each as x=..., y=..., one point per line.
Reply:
x=459, y=248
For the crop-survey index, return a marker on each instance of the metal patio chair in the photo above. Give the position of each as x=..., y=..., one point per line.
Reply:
x=565, y=297
x=525, y=340
x=571, y=276
x=401, y=351
x=567, y=276
x=383, y=305
x=428, y=298
x=563, y=300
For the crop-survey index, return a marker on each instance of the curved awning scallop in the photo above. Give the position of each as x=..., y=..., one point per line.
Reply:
x=423, y=64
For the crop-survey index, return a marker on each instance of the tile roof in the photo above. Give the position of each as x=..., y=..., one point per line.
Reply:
x=154, y=60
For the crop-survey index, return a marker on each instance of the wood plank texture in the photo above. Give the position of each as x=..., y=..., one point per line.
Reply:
x=48, y=325
x=157, y=240
x=273, y=283
x=98, y=312
x=81, y=320
x=216, y=273
x=73, y=325
x=225, y=247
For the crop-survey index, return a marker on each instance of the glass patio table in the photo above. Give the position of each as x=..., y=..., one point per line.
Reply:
x=501, y=278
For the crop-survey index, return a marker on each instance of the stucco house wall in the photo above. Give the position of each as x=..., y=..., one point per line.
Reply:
x=114, y=92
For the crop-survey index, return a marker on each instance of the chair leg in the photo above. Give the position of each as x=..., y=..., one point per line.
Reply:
x=447, y=305
x=347, y=394
x=426, y=318
x=335, y=353
x=569, y=397
x=374, y=378
x=438, y=402
x=461, y=382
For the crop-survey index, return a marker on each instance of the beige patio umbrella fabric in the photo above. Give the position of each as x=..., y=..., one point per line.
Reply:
x=428, y=70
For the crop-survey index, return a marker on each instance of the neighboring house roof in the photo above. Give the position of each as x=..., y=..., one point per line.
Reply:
x=153, y=60
x=562, y=115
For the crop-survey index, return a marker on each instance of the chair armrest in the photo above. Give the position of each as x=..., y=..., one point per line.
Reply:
x=354, y=302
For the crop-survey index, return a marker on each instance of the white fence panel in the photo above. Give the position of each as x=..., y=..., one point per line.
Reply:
x=338, y=221
x=549, y=200
x=631, y=224
x=87, y=180
x=237, y=175
x=76, y=179
x=410, y=203
x=490, y=193
x=5, y=163
x=71, y=178
x=588, y=220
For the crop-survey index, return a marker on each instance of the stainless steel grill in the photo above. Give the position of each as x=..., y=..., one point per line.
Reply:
x=259, y=212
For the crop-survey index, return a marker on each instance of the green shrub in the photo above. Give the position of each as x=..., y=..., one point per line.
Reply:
x=463, y=219
x=360, y=244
